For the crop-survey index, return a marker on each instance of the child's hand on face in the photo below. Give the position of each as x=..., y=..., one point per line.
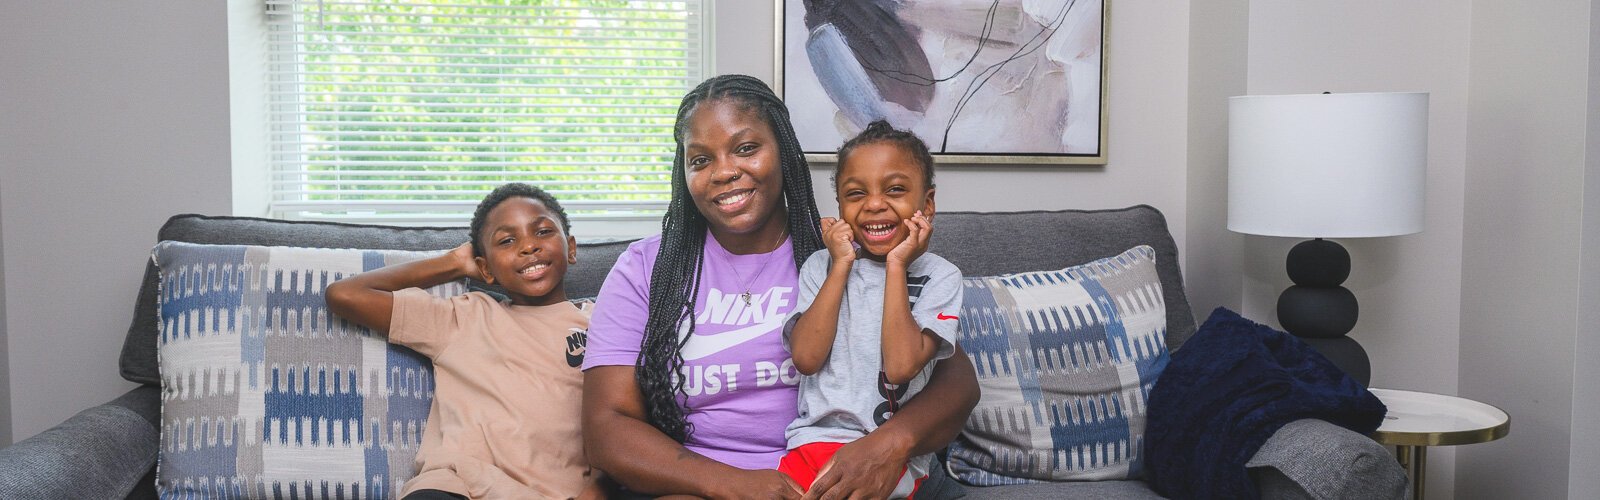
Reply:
x=839, y=239
x=463, y=257
x=915, y=243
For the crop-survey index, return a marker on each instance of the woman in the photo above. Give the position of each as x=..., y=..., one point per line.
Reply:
x=706, y=299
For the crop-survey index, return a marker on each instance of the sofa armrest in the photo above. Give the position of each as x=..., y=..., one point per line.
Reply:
x=1314, y=459
x=101, y=452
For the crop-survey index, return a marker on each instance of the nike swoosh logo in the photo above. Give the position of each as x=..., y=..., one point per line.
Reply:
x=701, y=346
x=943, y=316
x=577, y=345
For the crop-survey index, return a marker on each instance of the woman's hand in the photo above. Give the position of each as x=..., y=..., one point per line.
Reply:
x=915, y=244
x=839, y=239
x=759, y=484
x=865, y=468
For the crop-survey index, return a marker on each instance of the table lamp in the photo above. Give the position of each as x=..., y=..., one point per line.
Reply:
x=1326, y=166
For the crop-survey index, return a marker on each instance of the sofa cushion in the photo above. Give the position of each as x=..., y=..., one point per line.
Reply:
x=138, y=362
x=993, y=243
x=979, y=243
x=266, y=393
x=1065, y=360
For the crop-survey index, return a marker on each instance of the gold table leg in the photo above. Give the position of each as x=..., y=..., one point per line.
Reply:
x=1414, y=459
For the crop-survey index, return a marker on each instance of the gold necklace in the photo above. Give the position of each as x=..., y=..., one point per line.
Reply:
x=747, y=283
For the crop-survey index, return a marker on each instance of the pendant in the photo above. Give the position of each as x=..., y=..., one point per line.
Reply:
x=746, y=297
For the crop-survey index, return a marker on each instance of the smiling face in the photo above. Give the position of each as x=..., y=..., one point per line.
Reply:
x=880, y=185
x=526, y=252
x=734, y=175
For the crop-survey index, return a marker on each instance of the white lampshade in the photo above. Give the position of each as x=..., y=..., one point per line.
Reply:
x=1327, y=165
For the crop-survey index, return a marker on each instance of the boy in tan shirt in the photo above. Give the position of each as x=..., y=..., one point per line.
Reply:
x=505, y=417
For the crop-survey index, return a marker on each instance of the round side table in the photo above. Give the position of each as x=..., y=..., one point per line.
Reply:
x=1417, y=420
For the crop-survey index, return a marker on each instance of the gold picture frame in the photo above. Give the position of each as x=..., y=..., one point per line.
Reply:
x=1021, y=137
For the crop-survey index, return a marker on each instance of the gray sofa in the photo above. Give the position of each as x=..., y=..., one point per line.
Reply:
x=109, y=451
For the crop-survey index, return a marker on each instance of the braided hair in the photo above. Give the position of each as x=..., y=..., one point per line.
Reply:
x=675, y=280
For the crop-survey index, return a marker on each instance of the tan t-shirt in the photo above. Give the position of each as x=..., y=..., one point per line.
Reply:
x=505, y=416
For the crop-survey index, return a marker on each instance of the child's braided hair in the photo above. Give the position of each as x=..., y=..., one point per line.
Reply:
x=675, y=280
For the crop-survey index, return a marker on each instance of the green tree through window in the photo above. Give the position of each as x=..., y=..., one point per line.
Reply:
x=415, y=109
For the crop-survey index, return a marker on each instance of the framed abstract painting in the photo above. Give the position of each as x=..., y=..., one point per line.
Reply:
x=981, y=81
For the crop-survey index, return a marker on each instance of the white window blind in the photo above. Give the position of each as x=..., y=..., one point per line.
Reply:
x=412, y=111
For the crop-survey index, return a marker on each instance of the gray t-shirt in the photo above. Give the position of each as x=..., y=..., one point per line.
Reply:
x=850, y=396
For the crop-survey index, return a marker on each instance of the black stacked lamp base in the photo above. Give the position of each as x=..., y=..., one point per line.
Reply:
x=1320, y=311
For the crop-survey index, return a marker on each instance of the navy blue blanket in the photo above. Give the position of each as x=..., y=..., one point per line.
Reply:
x=1230, y=387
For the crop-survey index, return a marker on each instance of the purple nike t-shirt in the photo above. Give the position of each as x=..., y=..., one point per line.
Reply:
x=739, y=381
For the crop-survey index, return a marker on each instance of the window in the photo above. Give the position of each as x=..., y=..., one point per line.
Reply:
x=411, y=111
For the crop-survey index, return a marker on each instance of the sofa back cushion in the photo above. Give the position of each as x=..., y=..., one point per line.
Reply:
x=265, y=393
x=979, y=243
x=994, y=243
x=138, y=362
x=1065, y=361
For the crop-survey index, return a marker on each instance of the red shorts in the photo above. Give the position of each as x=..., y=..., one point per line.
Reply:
x=802, y=465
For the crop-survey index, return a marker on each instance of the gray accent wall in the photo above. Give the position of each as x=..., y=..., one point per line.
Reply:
x=114, y=116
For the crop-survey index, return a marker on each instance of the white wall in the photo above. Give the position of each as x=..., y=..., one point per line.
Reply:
x=115, y=116
x=1585, y=454
x=1218, y=69
x=247, y=104
x=1147, y=56
x=5, y=356
x=1526, y=147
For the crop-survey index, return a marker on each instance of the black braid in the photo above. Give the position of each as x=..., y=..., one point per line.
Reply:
x=675, y=280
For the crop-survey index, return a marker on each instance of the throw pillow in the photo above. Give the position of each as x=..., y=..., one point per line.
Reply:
x=267, y=394
x=1065, y=362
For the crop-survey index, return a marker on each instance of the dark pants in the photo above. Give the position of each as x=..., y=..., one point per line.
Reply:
x=615, y=491
x=433, y=495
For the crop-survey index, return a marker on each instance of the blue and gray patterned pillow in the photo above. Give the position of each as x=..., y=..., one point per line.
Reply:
x=265, y=394
x=1065, y=360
